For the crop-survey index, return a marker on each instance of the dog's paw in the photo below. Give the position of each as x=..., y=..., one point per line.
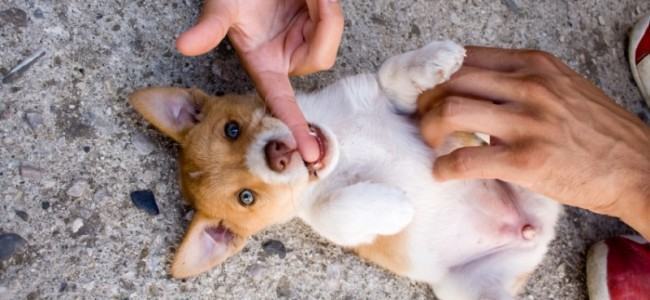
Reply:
x=434, y=64
x=404, y=77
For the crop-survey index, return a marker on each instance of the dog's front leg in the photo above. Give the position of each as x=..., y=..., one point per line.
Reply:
x=356, y=214
x=403, y=77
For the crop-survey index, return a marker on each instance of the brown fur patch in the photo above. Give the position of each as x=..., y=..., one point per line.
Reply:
x=388, y=252
x=520, y=282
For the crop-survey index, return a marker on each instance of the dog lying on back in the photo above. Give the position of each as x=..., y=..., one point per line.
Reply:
x=371, y=189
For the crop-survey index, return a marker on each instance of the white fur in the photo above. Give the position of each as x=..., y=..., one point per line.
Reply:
x=346, y=223
x=463, y=237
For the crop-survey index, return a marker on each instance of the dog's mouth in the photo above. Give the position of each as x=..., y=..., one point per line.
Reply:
x=319, y=164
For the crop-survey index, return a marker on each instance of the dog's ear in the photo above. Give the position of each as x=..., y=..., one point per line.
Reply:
x=172, y=110
x=206, y=244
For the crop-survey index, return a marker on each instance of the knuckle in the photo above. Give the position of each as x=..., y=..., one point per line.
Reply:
x=530, y=156
x=535, y=84
x=450, y=107
x=540, y=58
x=460, y=162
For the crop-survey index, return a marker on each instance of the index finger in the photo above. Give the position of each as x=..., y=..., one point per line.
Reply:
x=276, y=90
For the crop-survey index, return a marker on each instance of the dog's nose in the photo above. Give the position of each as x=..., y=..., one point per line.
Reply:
x=278, y=155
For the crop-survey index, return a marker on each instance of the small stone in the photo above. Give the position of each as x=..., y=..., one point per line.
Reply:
x=142, y=144
x=334, y=271
x=86, y=149
x=188, y=215
x=63, y=286
x=512, y=6
x=77, y=224
x=38, y=13
x=273, y=247
x=101, y=196
x=10, y=243
x=49, y=183
x=33, y=119
x=601, y=20
x=22, y=215
x=145, y=201
x=254, y=270
x=561, y=270
x=29, y=171
x=283, y=289
x=78, y=188
x=45, y=205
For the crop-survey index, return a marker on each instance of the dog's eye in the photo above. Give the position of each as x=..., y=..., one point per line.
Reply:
x=246, y=197
x=232, y=130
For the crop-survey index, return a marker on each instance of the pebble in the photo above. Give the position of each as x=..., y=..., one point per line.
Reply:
x=142, y=144
x=22, y=214
x=77, y=224
x=29, y=171
x=38, y=13
x=33, y=119
x=10, y=243
x=273, y=247
x=601, y=20
x=49, y=183
x=78, y=188
x=283, y=289
x=254, y=270
x=101, y=196
x=145, y=201
x=45, y=205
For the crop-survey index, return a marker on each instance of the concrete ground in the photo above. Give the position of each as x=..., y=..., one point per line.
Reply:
x=72, y=149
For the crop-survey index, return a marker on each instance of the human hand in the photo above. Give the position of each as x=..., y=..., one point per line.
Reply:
x=552, y=131
x=274, y=39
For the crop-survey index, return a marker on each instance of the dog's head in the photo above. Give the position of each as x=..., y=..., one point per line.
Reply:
x=239, y=168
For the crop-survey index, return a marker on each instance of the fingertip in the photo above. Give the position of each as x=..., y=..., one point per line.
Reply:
x=202, y=37
x=439, y=170
x=308, y=147
x=184, y=46
x=189, y=45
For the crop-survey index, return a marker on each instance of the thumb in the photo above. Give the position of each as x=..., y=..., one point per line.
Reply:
x=207, y=33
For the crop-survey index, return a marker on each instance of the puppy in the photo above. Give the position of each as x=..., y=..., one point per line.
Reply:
x=371, y=189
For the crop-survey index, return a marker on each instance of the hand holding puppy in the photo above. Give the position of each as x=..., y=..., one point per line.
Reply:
x=552, y=131
x=274, y=39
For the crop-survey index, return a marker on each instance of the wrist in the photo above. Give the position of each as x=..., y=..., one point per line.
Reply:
x=635, y=208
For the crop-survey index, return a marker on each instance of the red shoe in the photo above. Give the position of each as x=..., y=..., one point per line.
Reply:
x=639, y=56
x=619, y=269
